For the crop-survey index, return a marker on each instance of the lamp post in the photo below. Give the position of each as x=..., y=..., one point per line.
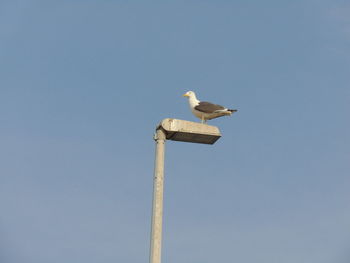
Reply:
x=176, y=130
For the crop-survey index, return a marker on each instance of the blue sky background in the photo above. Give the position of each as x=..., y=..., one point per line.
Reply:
x=83, y=85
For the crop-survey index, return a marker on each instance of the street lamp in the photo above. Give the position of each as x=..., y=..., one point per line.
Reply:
x=176, y=130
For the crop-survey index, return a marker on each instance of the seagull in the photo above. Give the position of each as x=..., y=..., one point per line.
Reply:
x=206, y=110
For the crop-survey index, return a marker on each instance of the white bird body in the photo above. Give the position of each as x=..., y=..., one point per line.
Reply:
x=206, y=110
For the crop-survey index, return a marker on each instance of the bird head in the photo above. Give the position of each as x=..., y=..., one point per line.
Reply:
x=189, y=94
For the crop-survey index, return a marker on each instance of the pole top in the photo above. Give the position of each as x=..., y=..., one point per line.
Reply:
x=188, y=131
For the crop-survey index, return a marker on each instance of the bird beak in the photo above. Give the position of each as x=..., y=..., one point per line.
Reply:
x=185, y=95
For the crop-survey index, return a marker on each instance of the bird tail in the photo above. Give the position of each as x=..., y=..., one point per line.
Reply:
x=225, y=111
x=232, y=111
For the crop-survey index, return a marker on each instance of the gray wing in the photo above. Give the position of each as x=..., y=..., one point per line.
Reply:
x=208, y=107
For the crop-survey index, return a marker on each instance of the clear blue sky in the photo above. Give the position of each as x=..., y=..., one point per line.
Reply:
x=83, y=85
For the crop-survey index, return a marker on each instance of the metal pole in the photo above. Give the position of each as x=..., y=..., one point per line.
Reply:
x=157, y=210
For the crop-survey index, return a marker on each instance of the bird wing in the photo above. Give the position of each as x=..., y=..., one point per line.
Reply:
x=208, y=107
